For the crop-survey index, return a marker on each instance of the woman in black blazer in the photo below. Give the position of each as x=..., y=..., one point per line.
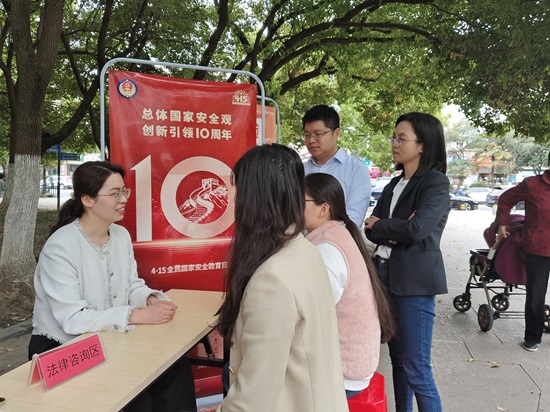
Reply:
x=407, y=224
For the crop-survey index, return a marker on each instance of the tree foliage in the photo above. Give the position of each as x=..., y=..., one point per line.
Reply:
x=501, y=64
x=381, y=57
x=469, y=147
x=462, y=139
x=460, y=169
x=525, y=152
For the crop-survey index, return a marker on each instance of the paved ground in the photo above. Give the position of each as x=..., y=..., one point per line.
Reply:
x=475, y=371
x=51, y=202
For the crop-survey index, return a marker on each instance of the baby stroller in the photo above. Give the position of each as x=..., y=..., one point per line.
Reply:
x=500, y=271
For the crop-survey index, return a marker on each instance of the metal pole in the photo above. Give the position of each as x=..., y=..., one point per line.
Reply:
x=58, y=174
x=278, y=117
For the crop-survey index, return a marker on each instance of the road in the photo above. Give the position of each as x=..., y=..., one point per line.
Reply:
x=49, y=202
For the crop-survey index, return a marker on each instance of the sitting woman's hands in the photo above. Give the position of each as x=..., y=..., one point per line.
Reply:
x=159, y=312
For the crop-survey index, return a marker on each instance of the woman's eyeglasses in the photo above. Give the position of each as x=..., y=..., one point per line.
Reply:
x=126, y=192
x=398, y=142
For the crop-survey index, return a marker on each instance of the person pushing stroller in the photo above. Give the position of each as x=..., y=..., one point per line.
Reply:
x=535, y=192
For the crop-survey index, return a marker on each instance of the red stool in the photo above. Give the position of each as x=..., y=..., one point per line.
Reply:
x=372, y=399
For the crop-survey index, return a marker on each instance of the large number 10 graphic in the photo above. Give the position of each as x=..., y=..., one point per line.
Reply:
x=170, y=183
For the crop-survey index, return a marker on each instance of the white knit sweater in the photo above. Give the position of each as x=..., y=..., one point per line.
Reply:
x=83, y=288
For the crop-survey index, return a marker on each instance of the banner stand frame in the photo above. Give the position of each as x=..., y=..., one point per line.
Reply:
x=111, y=62
x=278, y=117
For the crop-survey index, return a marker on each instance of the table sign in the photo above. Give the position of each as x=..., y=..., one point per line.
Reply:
x=65, y=362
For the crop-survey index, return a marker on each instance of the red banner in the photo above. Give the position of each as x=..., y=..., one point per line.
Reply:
x=270, y=124
x=178, y=140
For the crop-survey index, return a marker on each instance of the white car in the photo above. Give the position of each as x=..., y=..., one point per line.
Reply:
x=65, y=182
x=478, y=193
x=381, y=181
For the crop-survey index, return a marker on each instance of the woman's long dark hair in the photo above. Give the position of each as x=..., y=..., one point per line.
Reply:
x=88, y=179
x=324, y=188
x=269, y=212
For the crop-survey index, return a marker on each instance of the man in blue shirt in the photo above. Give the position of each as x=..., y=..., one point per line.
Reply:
x=321, y=126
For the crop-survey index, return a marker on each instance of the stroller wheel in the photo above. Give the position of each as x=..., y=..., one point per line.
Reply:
x=485, y=317
x=546, y=318
x=462, y=303
x=500, y=302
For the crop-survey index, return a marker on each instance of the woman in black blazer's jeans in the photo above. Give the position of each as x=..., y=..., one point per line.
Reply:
x=407, y=224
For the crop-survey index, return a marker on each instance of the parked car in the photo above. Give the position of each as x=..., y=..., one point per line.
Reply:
x=372, y=201
x=494, y=194
x=478, y=193
x=65, y=182
x=377, y=192
x=463, y=202
x=381, y=181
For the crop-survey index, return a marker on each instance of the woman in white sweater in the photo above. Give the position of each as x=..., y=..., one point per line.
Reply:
x=362, y=306
x=86, y=281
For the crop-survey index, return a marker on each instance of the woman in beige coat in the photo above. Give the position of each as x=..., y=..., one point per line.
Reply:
x=278, y=313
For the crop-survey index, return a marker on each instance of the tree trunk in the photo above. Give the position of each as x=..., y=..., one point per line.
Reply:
x=17, y=260
x=35, y=62
x=8, y=187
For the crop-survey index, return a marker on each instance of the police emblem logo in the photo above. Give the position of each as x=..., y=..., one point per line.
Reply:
x=127, y=88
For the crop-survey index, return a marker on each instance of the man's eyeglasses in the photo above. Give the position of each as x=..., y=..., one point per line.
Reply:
x=398, y=142
x=126, y=192
x=316, y=134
